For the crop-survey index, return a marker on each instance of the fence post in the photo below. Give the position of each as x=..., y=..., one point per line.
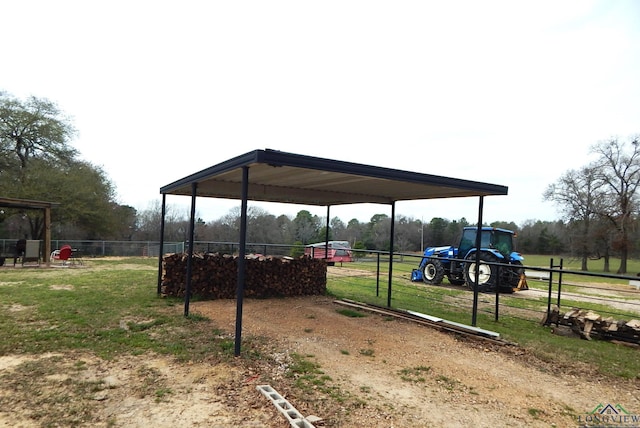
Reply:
x=559, y=281
x=378, y=275
x=497, y=292
x=550, y=289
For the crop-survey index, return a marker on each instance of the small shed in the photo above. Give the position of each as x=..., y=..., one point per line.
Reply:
x=35, y=205
x=276, y=176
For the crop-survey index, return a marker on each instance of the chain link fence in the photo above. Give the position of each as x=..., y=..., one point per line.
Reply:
x=91, y=249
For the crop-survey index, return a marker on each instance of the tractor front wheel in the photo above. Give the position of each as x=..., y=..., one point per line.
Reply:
x=487, y=273
x=433, y=272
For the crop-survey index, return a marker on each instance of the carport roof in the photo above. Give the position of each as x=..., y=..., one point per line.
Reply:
x=276, y=176
x=26, y=203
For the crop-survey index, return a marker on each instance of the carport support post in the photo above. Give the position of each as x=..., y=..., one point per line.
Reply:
x=326, y=236
x=164, y=203
x=474, y=312
x=392, y=232
x=47, y=236
x=241, y=258
x=187, y=291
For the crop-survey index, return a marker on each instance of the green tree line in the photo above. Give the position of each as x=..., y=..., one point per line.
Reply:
x=38, y=162
x=599, y=202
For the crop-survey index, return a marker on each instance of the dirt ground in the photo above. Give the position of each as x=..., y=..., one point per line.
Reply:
x=410, y=375
x=387, y=373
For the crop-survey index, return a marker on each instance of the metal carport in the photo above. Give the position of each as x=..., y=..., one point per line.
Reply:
x=275, y=176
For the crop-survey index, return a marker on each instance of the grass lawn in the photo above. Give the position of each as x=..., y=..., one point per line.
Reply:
x=519, y=319
x=109, y=307
x=106, y=307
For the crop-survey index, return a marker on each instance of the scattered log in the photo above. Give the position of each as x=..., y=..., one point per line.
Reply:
x=586, y=324
x=215, y=276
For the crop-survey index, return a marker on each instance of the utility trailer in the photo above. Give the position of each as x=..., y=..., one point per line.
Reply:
x=332, y=252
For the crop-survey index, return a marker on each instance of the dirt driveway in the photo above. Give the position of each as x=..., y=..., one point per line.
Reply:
x=411, y=375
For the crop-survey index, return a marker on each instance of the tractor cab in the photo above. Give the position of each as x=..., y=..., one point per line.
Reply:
x=500, y=240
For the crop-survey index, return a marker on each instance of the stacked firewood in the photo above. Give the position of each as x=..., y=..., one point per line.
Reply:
x=587, y=323
x=215, y=276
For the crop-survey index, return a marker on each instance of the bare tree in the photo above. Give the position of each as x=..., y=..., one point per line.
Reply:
x=618, y=169
x=577, y=194
x=176, y=221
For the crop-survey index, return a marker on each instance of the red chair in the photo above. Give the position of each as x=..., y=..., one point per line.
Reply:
x=63, y=254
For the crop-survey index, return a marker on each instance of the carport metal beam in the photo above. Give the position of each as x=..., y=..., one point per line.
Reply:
x=187, y=292
x=391, y=240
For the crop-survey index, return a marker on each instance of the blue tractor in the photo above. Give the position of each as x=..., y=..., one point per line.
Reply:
x=459, y=264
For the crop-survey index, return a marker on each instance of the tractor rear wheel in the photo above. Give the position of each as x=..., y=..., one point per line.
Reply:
x=510, y=277
x=433, y=272
x=487, y=273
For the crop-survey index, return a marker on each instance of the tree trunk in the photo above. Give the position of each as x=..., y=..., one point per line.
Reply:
x=584, y=245
x=624, y=255
x=584, y=263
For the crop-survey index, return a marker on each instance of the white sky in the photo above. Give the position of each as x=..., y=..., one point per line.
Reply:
x=503, y=92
